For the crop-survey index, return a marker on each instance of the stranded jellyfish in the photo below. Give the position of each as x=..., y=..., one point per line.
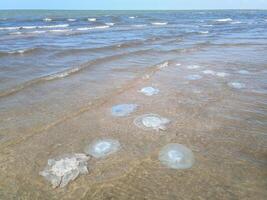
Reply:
x=209, y=72
x=245, y=72
x=176, y=156
x=193, y=67
x=193, y=77
x=221, y=74
x=102, y=148
x=60, y=171
x=149, y=91
x=123, y=109
x=236, y=85
x=151, y=121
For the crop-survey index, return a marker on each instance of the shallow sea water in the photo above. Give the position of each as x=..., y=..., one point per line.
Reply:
x=60, y=78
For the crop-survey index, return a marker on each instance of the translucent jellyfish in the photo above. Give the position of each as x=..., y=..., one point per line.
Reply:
x=176, y=156
x=149, y=91
x=209, y=72
x=193, y=67
x=178, y=64
x=221, y=74
x=123, y=110
x=151, y=121
x=60, y=171
x=193, y=77
x=243, y=72
x=237, y=85
x=102, y=148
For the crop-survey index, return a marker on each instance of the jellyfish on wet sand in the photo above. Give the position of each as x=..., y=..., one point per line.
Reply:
x=209, y=72
x=122, y=110
x=149, y=91
x=245, y=72
x=221, y=74
x=60, y=171
x=151, y=121
x=236, y=85
x=193, y=77
x=176, y=156
x=193, y=67
x=102, y=148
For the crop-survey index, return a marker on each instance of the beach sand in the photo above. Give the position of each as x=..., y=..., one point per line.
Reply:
x=230, y=153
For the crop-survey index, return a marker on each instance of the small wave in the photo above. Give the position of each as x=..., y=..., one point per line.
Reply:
x=236, y=22
x=91, y=19
x=92, y=28
x=139, y=25
x=224, y=20
x=10, y=28
x=203, y=32
x=47, y=19
x=110, y=24
x=15, y=33
x=55, y=26
x=159, y=23
x=60, y=30
x=71, y=20
x=62, y=74
x=21, y=51
x=37, y=32
x=132, y=17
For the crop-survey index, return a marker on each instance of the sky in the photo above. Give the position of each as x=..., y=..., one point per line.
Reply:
x=133, y=4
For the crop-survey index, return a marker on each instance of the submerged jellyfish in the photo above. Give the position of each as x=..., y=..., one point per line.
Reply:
x=149, y=91
x=176, y=156
x=221, y=74
x=102, y=148
x=209, y=72
x=193, y=67
x=151, y=121
x=236, y=85
x=60, y=171
x=243, y=72
x=194, y=77
x=123, y=109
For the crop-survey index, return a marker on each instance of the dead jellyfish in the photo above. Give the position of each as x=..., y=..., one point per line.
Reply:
x=245, y=72
x=193, y=67
x=176, y=156
x=102, y=148
x=209, y=72
x=60, y=171
x=193, y=77
x=149, y=91
x=123, y=109
x=151, y=121
x=236, y=85
x=221, y=74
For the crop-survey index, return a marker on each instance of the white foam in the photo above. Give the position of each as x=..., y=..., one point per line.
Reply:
x=91, y=19
x=132, y=17
x=110, y=24
x=54, y=26
x=139, y=25
x=203, y=32
x=60, y=30
x=224, y=20
x=92, y=28
x=47, y=19
x=236, y=22
x=159, y=23
x=15, y=33
x=37, y=32
x=71, y=20
x=10, y=28
x=178, y=64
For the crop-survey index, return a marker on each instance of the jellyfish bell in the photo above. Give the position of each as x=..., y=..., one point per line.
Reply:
x=149, y=91
x=151, y=121
x=176, y=156
x=122, y=110
x=236, y=85
x=193, y=77
x=102, y=148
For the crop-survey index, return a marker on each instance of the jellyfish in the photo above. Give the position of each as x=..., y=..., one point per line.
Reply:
x=149, y=91
x=60, y=171
x=245, y=72
x=102, y=148
x=193, y=67
x=193, y=77
x=236, y=85
x=176, y=156
x=122, y=110
x=221, y=74
x=209, y=72
x=151, y=121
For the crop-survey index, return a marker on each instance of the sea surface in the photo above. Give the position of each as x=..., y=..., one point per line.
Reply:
x=62, y=71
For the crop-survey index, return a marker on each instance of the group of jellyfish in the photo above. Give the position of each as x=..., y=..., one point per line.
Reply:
x=60, y=171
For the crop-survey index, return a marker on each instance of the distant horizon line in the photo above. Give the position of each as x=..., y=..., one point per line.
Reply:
x=261, y=9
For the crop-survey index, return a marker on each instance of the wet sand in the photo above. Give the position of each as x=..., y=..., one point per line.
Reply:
x=222, y=126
